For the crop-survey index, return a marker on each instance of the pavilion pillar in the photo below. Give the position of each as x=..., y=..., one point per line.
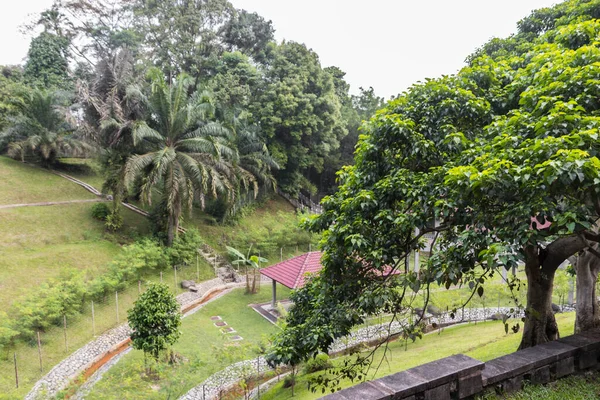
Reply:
x=274, y=302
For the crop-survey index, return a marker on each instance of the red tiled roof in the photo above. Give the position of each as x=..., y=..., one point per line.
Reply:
x=292, y=272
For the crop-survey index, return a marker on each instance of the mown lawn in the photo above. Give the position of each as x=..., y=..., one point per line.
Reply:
x=23, y=183
x=482, y=341
x=205, y=350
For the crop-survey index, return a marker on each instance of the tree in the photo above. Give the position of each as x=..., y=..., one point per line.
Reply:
x=185, y=156
x=41, y=130
x=499, y=163
x=248, y=33
x=181, y=36
x=155, y=320
x=47, y=63
x=248, y=261
x=299, y=114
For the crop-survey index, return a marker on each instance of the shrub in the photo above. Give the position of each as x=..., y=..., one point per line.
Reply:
x=289, y=381
x=114, y=220
x=320, y=362
x=100, y=211
x=184, y=248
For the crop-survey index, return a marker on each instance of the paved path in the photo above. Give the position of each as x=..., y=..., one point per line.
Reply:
x=52, y=203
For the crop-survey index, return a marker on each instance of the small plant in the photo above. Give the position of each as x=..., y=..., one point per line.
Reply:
x=100, y=211
x=319, y=363
x=289, y=381
x=114, y=221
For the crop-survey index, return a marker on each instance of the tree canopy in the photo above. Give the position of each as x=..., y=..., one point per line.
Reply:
x=498, y=162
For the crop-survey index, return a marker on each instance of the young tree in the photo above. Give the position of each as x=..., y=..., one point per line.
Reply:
x=155, y=320
x=47, y=63
x=248, y=261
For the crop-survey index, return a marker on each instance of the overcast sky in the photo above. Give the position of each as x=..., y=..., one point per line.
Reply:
x=387, y=44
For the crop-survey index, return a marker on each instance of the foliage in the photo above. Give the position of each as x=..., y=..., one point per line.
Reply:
x=299, y=113
x=155, y=320
x=100, y=211
x=185, y=248
x=47, y=63
x=41, y=130
x=319, y=362
x=248, y=33
x=187, y=155
x=481, y=153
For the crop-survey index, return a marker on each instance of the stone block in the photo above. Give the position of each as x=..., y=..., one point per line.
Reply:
x=438, y=393
x=447, y=369
x=587, y=360
x=469, y=385
x=563, y=367
x=541, y=375
x=403, y=383
x=365, y=391
x=512, y=385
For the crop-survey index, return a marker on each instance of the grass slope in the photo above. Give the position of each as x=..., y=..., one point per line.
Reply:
x=22, y=183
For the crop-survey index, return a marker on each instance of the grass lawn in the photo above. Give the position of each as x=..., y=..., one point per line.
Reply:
x=485, y=341
x=577, y=387
x=204, y=348
x=22, y=183
x=84, y=169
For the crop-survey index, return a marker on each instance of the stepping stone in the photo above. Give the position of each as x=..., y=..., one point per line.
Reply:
x=228, y=330
x=220, y=323
x=236, y=338
x=215, y=318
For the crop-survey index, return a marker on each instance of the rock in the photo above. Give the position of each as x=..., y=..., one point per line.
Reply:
x=498, y=317
x=193, y=288
x=433, y=310
x=419, y=311
x=555, y=308
x=187, y=284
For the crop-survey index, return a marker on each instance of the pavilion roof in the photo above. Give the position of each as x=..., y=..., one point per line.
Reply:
x=292, y=273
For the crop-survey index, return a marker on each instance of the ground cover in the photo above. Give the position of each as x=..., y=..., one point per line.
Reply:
x=85, y=169
x=203, y=347
x=23, y=183
x=576, y=387
x=487, y=340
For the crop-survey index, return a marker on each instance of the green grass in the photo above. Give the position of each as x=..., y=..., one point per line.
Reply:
x=576, y=387
x=23, y=183
x=203, y=347
x=257, y=228
x=84, y=169
x=487, y=340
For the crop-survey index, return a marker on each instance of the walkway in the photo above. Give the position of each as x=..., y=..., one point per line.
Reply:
x=52, y=203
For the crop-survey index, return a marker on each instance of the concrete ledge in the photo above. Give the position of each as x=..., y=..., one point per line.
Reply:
x=462, y=377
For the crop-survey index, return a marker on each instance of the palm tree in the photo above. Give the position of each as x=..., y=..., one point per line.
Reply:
x=41, y=130
x=185, y=156
x=248, y=261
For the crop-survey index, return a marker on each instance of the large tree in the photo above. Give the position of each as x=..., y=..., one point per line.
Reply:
x=184, y=155
x=499, y=163
x=299, y=113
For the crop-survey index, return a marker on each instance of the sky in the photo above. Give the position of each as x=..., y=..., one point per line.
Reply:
x=386, y=44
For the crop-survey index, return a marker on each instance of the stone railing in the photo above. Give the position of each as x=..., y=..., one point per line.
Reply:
x=461, y=377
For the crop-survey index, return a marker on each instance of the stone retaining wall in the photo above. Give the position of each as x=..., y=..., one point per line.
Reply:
x=462, y=377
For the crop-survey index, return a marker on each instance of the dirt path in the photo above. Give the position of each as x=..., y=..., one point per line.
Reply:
x=52, y=203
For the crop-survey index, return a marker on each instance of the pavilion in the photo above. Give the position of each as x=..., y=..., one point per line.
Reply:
x=292, y=273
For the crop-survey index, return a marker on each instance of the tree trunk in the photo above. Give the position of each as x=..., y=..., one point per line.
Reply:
x=173, y=223
x=587, y=307
x=540, y=325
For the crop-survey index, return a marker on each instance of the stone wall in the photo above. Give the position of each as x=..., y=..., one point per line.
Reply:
x=462, y=377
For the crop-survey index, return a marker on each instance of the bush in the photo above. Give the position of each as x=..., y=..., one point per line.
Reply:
x=319, y=363
x=100, y=211
x=289, y=381
x=184, y=248
x=114, y=220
